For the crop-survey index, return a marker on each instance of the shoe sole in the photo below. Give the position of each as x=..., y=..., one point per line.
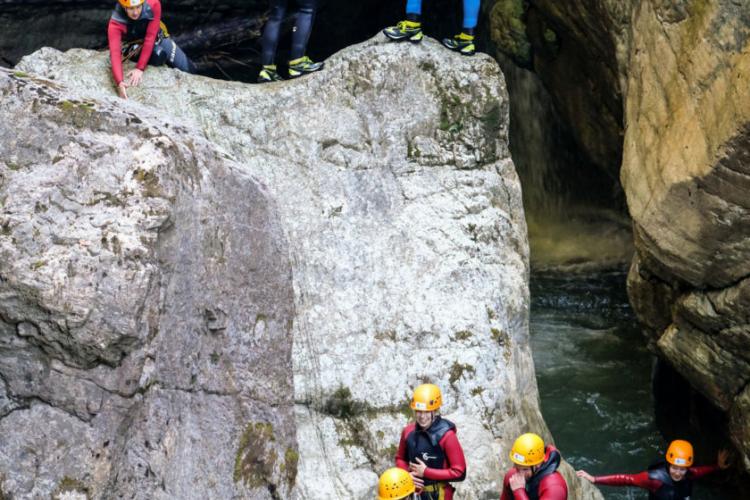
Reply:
x=297, y=74
x=413, y=38
x=463, y=53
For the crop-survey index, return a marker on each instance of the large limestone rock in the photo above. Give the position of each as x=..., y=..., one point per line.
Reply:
x=402, y=228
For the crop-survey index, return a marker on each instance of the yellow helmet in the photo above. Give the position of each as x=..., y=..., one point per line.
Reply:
x=528, y=450
x=426, y=398
x=131, y=3
x=680, y=453
x=395, y=484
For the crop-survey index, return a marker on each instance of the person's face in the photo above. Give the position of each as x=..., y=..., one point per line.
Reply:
x=424, y=418
x=134, y=12
x=526, y=472
x=677, y=473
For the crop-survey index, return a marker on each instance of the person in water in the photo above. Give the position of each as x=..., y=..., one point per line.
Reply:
x=534, y=475
x=411, y=28
x=138, y=23
x=395, y=484
x=669, y=479
x=299, y=63
x=429, y=448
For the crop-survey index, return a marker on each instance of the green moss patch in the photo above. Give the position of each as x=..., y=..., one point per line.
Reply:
x=256, y=457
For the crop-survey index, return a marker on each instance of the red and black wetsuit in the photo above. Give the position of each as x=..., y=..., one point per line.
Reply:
x=438, y=448
x=658, y=482
x=545, y=484
x=146, y=27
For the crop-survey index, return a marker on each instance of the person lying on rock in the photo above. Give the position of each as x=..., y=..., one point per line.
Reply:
x=535, y=472
x=411, y=28
x=395, y=484
x=138, y=23
x=299, y=63
x=666, y=479
x=429, y=448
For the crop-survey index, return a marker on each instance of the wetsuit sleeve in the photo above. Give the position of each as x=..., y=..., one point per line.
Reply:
x=115, y=31
x=640, y=480
x=402, y=460
x=151, y=31
x=507, y=493
x=553, y=487
x=454, y=456
x=704, y=470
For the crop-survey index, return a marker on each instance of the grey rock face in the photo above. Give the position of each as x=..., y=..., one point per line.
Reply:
x=139, y=270
x=403, y=224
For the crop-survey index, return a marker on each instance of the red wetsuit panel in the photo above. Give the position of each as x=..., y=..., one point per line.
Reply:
x=454, y=465
x=551, y=487
x=641, y=480
x=115, y=32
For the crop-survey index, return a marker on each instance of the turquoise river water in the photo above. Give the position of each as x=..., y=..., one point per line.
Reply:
x=594, y=375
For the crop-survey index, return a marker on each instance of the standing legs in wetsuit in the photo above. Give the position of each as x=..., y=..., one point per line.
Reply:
x=299, y=63
x=411, y=28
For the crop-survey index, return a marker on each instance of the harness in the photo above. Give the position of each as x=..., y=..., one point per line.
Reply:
x=545, y=469
x=131, y=48
x=670, y=489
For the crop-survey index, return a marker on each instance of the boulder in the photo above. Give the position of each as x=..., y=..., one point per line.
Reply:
x=403, y=231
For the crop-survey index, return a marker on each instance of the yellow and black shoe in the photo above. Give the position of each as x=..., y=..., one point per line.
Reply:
x=303, y=65
x=461, y=43
x=405, y=30
x=268, y=74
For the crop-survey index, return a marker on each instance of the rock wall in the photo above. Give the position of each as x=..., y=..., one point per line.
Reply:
x=687, y=176
x=671, y=76
x=405, y=237
x=140, y=268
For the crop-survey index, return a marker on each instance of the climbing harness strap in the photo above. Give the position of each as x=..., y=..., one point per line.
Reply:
x=132, y=49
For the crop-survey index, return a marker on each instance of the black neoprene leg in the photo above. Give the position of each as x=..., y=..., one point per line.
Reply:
x=271, y=32
x=302, y=27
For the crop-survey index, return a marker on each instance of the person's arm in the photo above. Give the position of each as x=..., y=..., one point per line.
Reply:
x=703, y=470
x=115, y=31
x=151, y=31
x=454, y=455
x=640, y=480
x=402, y=460
x=553, y=487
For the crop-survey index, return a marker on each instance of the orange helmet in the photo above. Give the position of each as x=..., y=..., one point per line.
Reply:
x=680, y=453
x=395, y=484
x=528, y=450
x=426, y=398
x=131, y=3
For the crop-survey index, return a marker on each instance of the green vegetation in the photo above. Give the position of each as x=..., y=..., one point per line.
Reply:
x=291, y=461
x=20, y=74
x=70, y=485
x=458, y=370
x=254, y=463
x=462, y=335
x=493, y=119
x=508, y=30
x=149, y=181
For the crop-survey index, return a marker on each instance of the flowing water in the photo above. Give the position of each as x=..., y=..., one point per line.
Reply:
x=594, y=376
